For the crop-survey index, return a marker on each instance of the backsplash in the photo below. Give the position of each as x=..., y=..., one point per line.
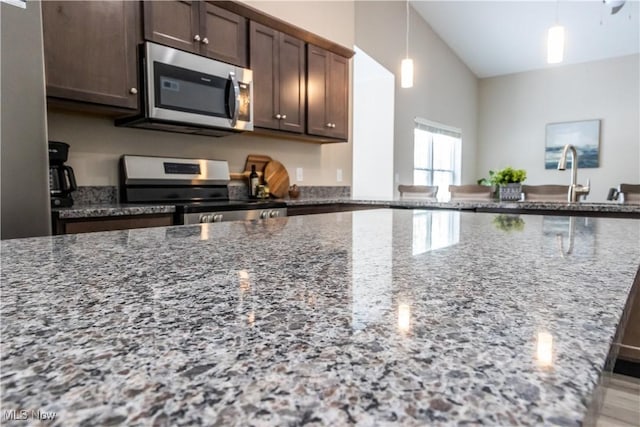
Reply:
x=241, y=192
x=102, y=195
x=95, y=195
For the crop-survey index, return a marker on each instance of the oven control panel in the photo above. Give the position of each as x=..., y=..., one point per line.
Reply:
x=240, y=215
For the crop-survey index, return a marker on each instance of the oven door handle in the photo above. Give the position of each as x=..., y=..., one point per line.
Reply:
x=234, y=99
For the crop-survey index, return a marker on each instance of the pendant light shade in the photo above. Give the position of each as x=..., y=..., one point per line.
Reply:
x=406, y=68
x=555, y=41
x=555, y=44
x=406, y=73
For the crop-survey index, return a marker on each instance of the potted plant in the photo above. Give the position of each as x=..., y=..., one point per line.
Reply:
x=509, y=183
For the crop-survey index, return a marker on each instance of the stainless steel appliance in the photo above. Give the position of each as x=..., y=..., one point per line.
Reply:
x=197, y=187
x=189, y=93
x=62, y=180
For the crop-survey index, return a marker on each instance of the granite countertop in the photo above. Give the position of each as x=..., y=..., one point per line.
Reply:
x=477, y=204
x=105, y=210
x=111, y=209
x=375, y=317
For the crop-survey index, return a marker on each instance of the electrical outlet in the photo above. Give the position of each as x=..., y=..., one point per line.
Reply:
x=339, y=175
x=299, y=175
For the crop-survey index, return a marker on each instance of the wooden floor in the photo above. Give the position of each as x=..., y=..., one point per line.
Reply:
x=621, y=406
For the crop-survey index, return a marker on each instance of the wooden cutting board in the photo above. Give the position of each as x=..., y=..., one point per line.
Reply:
x=256, y=159
x=277, y=178
x=252, y=159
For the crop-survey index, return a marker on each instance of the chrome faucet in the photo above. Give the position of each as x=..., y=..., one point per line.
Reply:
x=575, y=189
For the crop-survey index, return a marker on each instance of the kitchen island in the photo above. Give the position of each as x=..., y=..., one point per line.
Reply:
x=603, y=209
x=376, y=317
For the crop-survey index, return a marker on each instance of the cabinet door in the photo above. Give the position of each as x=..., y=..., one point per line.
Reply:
x=266, y=83
x=328, y=94
x=292, y=83
x=224, y=35
x=90, y=51
x=317, y=91
x=338, y=108
x=174, y=23
x=89, y=225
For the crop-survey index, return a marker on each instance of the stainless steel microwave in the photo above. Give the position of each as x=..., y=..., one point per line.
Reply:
x=189, y=93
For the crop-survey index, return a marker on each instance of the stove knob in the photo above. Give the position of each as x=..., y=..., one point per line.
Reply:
x=264, y=215
x=273, y=214
x=205, y=218
x=217, y=218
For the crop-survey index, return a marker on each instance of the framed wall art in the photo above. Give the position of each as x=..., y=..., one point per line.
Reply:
x=584, y=135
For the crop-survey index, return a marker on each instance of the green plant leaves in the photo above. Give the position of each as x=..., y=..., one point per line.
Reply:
x=507, y=175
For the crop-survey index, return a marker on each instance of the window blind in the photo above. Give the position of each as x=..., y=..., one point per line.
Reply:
x=437, y=128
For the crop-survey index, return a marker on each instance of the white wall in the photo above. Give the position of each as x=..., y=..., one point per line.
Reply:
x=373, y=93
x=514, y=110
x=444, y=90
x=96, y=144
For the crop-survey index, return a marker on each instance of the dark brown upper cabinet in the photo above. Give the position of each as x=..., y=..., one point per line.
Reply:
x=199, y=27
x=328, y=94
x=278, y=65
x=90, y=52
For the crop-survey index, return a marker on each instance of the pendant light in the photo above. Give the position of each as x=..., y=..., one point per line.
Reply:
x=555, y=41
x=406, y=68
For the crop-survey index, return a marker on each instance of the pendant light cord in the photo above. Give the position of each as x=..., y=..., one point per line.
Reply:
x=407, y=34
x=557, y=7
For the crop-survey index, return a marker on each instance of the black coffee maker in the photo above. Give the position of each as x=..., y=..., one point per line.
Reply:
x=62, y=181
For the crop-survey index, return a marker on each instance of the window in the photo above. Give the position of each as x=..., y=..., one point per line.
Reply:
x=436, y=156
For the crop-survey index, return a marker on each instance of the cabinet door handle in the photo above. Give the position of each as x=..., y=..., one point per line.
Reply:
x=133, y=91
x=328, y=125
x=196, y=38
x=284, y=116
x=278, y=116
x=205, y=40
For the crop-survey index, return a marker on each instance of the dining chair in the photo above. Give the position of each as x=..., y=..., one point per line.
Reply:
x=546, y=193
x=630, y=193
x=422, y=192
x=470, y=192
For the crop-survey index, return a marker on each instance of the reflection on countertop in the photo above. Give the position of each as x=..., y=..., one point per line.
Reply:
x=369, y=317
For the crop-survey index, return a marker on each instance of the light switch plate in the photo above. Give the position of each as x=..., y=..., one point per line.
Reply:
x=339, y=175
x=299, y=175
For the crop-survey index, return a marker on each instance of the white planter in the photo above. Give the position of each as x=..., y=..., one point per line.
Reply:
x=510, y=192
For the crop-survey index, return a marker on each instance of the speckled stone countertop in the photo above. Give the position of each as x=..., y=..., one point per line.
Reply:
x=375, y=317
x=104, y=210
x=479, y=205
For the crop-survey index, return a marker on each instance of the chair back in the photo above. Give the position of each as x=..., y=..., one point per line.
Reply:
x=470, y=192
x=630, y=193
x=546, y=193
x=418, y=192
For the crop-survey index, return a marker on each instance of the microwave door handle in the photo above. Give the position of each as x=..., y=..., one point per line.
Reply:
x=234, y=99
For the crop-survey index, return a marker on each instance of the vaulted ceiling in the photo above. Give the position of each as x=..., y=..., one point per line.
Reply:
x=503, y=37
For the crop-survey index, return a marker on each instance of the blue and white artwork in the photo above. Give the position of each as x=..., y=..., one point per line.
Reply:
x=584, y=135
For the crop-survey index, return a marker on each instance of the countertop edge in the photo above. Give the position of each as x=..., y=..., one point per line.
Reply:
x=110, y=210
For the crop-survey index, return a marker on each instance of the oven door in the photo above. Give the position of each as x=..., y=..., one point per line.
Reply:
x=186, y=88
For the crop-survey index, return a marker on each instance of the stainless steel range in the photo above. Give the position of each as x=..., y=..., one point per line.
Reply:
x=197, y=187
